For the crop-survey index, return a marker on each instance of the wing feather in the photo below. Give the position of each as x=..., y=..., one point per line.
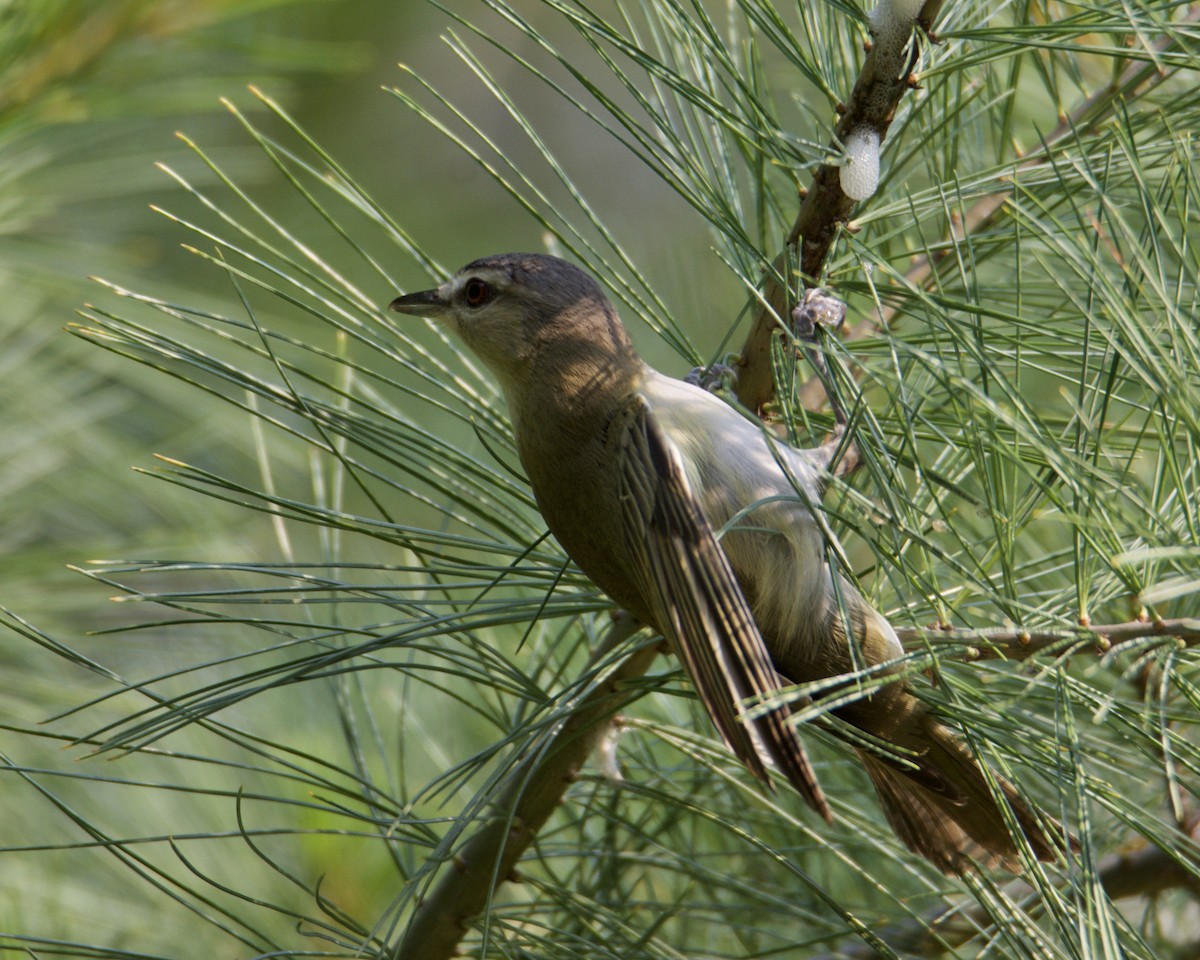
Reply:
x=697, y=602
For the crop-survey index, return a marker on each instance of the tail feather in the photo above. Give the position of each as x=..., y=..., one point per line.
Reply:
x=944, y=809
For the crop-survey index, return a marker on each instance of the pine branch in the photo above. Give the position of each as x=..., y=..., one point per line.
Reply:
x=522, y=806
x=990, y=643
x=536, y=788
x=1146, y=872
x=1137, y=79
x=825, y=207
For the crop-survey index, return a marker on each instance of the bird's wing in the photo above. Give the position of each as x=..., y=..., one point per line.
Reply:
x=697, y=601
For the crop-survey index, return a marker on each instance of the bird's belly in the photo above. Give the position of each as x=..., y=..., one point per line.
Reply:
x=777, y=553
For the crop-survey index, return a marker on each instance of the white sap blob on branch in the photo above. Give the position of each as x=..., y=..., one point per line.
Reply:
x=891, y=23
x=891, y=27
x=860, y=173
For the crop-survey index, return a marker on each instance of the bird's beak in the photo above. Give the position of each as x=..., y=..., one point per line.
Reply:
x=425, y=303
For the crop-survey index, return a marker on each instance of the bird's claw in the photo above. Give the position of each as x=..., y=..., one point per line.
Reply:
x=714, y=379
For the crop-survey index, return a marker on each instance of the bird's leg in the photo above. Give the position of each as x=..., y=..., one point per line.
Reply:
x=820, y=309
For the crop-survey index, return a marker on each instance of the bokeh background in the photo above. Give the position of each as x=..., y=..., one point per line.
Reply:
x=92, y=94
x=83, y=131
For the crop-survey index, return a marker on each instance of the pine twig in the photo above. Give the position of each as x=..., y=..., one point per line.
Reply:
x=1014, y=643
x=1136, y=79
x=523, y=804
x=1142, y=873
x=825, y=207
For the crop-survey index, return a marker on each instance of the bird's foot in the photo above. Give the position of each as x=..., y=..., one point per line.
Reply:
x=717, y=378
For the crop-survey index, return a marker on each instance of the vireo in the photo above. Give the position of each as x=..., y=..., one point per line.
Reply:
x=635, y=473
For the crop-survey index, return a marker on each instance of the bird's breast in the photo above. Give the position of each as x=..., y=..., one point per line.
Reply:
x=575, y=481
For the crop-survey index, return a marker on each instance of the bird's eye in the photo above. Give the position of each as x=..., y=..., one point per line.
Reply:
x=477, y=292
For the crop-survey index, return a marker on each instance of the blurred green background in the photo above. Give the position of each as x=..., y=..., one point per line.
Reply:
x=91, y=95
x=82, y=131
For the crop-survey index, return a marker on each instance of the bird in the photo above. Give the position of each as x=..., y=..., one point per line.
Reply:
x=702, y=525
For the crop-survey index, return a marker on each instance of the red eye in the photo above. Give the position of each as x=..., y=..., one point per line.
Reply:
x=477, y=292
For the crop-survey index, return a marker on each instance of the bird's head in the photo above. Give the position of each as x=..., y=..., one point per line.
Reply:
x=508, y=308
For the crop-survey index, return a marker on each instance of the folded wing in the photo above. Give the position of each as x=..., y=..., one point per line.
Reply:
x=697, y=602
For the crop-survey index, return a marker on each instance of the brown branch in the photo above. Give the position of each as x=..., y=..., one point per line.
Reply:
x=881, y=83
x=1084, y=118
x=1013, y=643
x=535, y=789
x=826, y=207
x=1142, y=873
x=523, y=804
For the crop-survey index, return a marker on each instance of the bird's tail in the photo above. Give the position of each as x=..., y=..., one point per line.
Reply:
x=938, y=801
